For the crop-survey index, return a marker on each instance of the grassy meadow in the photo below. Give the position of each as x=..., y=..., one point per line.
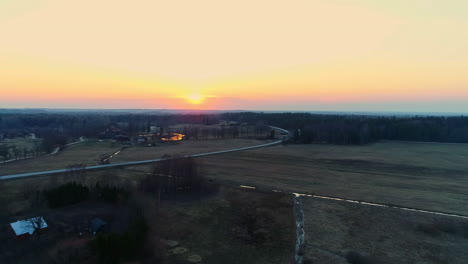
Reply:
x=88, y=152
x=340, y=233
x=426, y=176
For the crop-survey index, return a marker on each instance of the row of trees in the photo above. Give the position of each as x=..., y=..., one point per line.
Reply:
x=305, y=127
x=360, y=129
x=259, y=130
x=174, y=176
x=47, y=145
x=75, y=125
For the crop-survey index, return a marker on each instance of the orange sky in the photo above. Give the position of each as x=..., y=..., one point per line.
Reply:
x=359, y=55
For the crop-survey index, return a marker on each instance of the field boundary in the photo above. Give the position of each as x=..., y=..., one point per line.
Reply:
x=358, y=202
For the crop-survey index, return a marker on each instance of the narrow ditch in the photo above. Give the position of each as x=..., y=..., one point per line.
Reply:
x=300, y=234
x=380, y=205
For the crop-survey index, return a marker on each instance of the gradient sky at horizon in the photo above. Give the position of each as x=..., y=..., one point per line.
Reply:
x=343, y=55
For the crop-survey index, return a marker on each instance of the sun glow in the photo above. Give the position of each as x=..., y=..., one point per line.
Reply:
x=195, y=98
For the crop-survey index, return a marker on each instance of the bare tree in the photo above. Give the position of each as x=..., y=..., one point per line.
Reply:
x=171, y=176
x=16, y=152
x=37, y=223
x=4, y=151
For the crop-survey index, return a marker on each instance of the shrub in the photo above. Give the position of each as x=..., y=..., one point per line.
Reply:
x=66, y=194
x=110, y=194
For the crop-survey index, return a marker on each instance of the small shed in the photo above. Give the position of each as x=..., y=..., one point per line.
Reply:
x=26, y=228
x=96, y=225
x=141, y=139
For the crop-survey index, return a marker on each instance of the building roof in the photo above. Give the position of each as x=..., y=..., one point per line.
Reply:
x=28, y=226
x=96, y=224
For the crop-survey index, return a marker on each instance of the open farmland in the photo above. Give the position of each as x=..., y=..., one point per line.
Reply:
x=23, y=146
x=334, y=229
x=91, y=152
x=185, y=147
x=21, y=142
x=210, y=228
x=88, y=152
x=426, y=176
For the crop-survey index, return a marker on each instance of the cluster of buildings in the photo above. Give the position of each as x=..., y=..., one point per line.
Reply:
x=24, y=229
x=115, y=133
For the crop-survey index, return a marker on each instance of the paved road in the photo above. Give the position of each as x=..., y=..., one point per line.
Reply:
x=132, y=163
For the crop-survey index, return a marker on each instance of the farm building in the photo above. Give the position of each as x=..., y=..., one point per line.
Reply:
x=141, y=139
x=25, y=228
x=96, y=225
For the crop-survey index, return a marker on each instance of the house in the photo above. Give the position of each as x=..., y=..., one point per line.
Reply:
x=141, y=139
x=110, y=133
x=96, y=225
x=26, y=228
x=154, y=129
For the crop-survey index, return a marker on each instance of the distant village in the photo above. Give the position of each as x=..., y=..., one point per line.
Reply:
x=154, y=134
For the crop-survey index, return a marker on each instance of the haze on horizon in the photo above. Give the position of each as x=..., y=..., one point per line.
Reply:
x=329, y=55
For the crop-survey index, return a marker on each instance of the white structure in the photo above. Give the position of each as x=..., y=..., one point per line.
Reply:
x=27, y=227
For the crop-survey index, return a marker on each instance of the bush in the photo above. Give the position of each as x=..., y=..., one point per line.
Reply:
x=110, y=194
x=66, y=194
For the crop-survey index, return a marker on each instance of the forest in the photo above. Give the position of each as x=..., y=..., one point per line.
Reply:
x=305, y=128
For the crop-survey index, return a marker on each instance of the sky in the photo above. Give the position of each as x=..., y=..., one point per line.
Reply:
x=297, y=55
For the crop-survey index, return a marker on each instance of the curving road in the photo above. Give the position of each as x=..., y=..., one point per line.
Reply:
x=132, y=163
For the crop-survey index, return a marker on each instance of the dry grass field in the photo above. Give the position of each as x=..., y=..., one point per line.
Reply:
x=89, y=153
x=209, y=228
x=86, y=152
x=425, y=176
x=21, y=143
x=380, y=235
x=186, y=147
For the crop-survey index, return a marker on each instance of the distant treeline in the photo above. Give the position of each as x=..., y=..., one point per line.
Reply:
x=304, y=127
x=89, y=125
x=357, y=129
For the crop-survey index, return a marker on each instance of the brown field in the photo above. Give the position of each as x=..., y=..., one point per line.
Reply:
x=21, y=143
x=206, y=228
x=425, y=176
x=383, y=235
x=89, y=153
x=182, y=148
x=86, y=152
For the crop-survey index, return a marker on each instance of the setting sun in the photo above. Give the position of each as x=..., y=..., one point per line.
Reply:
x=195, y=98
